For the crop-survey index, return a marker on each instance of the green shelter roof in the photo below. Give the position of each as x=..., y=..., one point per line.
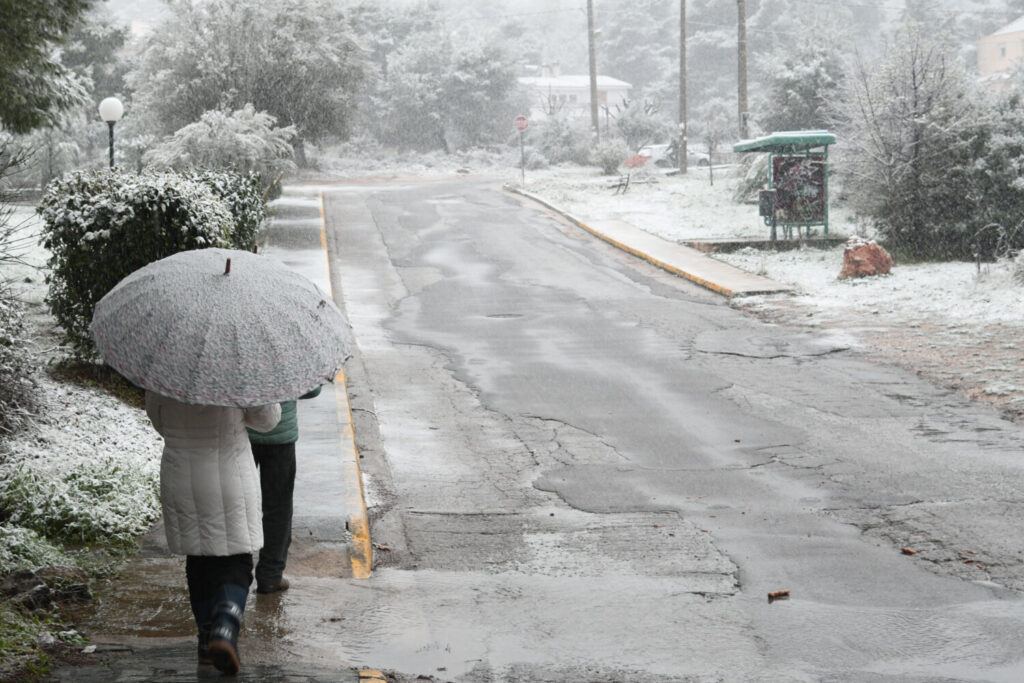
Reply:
x=786, y=141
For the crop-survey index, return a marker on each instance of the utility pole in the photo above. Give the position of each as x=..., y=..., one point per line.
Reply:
x=682, y=86
x=742, y=66
x=594, y=123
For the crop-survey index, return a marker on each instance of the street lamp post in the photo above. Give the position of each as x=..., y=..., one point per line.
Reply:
x=111, y=111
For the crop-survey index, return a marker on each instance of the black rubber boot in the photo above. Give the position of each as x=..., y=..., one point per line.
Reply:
x=202, y=612
x=204, y=643
x=227, y=620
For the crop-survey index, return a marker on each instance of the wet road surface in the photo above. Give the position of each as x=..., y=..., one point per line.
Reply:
x=595, y=471
x=582, y=468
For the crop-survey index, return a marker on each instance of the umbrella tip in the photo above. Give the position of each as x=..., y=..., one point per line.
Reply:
x=227, y=267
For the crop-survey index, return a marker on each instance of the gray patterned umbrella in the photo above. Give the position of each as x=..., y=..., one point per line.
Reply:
x=221, y=327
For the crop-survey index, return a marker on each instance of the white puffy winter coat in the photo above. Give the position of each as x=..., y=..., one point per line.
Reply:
x=209, y=485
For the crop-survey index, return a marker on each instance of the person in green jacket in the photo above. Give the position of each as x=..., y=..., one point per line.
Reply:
x=274, y=452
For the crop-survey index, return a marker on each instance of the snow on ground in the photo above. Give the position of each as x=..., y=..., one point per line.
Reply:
x=87, y=471
x=27, y=277
x=954, y=293
x=673, y=207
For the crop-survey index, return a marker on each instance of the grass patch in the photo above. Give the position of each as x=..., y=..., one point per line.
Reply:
x=22, y=655
x=97, y=376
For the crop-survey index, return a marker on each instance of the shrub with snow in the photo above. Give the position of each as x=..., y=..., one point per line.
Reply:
x=101, y=226
x=910, y=130
x=535, y=160
x=246, y=197
x=560, y=141
x=17, y=387
x=22, y=548
x=17, y=375
x=87, y=473
x=245, y=141
x=609, y=155
x=752, y=173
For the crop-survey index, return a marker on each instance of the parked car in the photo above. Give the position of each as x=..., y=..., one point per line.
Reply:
x=666, y=155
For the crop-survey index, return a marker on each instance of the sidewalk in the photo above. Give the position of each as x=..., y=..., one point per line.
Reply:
x=676, y=258
x=143, y=630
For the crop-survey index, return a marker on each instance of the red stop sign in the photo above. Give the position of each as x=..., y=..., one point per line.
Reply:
x=521, y=123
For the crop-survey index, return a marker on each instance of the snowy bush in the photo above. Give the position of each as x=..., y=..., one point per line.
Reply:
x=22, y=548
x=609, y=155
x=18, y=401
x=752, y=174
x=910, y=129
x=535, y=160
x=101, y=226
x=560, y=141
x=89, y=473
x=17, y=387
x=642, y=124
x=244, y=141
x=246, y=197
x=801, y=80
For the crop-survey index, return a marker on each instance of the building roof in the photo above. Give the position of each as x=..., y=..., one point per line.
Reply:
x=573, y=82
x=1016, y=26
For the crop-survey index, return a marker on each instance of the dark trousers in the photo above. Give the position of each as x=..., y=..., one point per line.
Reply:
x=276, y=463
x=206, y=575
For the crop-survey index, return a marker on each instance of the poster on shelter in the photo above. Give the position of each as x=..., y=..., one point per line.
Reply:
x=799, y=181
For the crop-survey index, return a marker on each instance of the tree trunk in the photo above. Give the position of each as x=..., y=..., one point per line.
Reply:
x=682, y=86
x=595, y=124
x=741, y=63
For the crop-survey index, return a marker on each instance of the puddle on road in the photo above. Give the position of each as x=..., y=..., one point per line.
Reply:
x=150, y=600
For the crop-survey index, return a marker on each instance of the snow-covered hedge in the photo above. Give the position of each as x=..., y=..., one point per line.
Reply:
x=609, y=155
x=244, y=140
x=561, y=141
x=17, y=375
x=245, y=195
x=22, y=548
x=102, y=225
x=87, y=473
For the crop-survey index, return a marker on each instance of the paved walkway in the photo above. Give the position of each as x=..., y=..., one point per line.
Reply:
x=681, y=260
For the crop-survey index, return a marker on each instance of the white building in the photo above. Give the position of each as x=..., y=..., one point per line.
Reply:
x=569, y=96
x=1000, y=54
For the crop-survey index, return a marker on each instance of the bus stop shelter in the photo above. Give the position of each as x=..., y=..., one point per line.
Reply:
x=797, y=193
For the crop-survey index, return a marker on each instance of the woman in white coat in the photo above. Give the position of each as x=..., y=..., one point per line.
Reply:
x=210, y=494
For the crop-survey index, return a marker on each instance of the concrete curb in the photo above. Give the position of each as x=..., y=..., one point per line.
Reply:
x=356, y=517
x=677, y=259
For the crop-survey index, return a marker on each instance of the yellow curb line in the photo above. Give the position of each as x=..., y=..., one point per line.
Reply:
x=713, y=286
x=357, y=522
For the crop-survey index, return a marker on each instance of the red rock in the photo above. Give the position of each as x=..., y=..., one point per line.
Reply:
x=861, y=259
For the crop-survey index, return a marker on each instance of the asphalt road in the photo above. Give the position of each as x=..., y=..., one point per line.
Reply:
x=582, y=468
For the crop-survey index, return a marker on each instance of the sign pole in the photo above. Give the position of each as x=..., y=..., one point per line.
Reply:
x=522, y=158
x=521, y=123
